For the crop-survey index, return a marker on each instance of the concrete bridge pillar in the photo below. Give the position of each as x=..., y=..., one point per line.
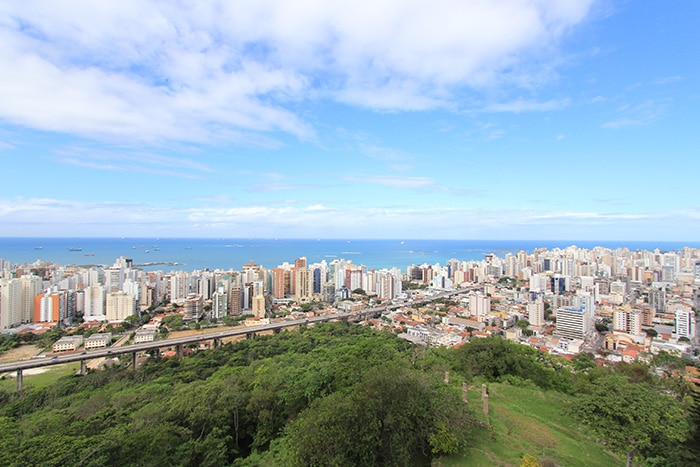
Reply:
x=180, y=351
x=83, y=367
x=250, y=335
x=134, y=360
x=19, y=380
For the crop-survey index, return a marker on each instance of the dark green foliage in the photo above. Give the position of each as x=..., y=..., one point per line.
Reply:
x=497, y=359
x=331, y=394
x=633, y=419
x=388, y=418
x=8, y=341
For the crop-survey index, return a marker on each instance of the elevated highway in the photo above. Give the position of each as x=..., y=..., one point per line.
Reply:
x=215, y=336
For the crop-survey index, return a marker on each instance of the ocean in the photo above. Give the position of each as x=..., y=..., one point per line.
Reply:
x=224, y=253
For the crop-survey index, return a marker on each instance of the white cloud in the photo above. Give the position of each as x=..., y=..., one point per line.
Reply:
x=641, y=114
x=32, y=217
x=524, y=105
x=208, y=71
x=395, y=181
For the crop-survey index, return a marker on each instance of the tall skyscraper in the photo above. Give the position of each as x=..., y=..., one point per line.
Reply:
x=10, y=303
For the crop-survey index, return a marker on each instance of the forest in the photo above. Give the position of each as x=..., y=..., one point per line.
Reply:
x=337, y=394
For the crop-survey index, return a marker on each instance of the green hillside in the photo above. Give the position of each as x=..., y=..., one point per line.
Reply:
x=528, y=421
x=341, y=394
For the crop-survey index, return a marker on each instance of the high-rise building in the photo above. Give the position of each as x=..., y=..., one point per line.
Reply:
x=573, y=323
x=535, y=311
x=259, y=305
x=119, y=305
x=31, y=286
x=50, y=307
x=219, y=303
x=626, y=319
x=280, y=282
x=684, y=323
x=193, y=306
x=479, y=306
x=304, y=287
x=10, y=303
x=95, y=303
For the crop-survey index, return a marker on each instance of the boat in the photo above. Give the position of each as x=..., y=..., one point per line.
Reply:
x=75, y=249
x=38, y=247
x=89, y=254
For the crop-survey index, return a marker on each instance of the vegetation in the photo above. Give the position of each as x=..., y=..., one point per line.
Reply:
x=8, y=341
x=340, y=394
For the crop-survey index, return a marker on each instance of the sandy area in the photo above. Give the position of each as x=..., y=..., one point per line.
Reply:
x=27, y=372
x=23, y=352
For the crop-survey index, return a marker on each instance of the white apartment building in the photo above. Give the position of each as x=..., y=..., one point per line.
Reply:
x=573, y=323
x=684, y=323
x=479, y=306
x=10, y=303
x=94, y=303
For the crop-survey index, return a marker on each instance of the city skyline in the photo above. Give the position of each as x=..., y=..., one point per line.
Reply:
x=503, y=120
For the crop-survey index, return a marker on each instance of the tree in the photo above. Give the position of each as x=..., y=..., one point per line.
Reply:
x=388, y=418
x=651, y=332
x=522, y=323
x=632, y=418
x=173, y=322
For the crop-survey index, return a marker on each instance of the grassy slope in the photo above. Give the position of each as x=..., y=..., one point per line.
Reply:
x=528, y=421
x=50, y=376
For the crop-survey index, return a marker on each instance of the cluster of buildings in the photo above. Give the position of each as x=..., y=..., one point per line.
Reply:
x=51, y=293
x=643, y=301
x=646, y=300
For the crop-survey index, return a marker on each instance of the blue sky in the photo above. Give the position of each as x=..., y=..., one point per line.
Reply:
x=482, y=119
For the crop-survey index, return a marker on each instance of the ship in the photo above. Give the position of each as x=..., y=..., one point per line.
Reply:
x=75, y=249
x=89, y=254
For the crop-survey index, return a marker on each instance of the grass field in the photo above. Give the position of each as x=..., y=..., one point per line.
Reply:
x=528, y=421
x=8, y=382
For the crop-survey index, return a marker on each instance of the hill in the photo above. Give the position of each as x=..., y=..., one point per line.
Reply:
x=332, y=394
x=528, y=420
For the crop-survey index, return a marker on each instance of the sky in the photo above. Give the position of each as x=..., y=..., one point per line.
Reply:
x=441, y=119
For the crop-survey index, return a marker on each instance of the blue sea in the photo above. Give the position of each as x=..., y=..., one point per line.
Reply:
x=224, y=253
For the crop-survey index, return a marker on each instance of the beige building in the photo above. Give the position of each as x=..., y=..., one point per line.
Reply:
x=98, y=341
x=119, y=306
x=68, y=344
x=259, y=306
x=144, y=335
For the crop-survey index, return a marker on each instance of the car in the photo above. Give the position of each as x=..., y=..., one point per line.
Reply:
x=54, y=358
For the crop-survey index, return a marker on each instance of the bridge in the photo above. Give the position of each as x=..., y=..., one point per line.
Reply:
x=216, y=337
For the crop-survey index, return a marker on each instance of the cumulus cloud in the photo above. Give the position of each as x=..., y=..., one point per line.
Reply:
x=217, y=70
